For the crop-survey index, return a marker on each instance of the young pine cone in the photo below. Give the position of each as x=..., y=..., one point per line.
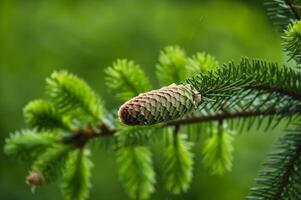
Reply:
x=164, y=104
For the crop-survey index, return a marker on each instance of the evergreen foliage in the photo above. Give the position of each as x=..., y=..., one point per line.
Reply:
x=43, y=115
x=51, y=163
x=251, y=85
x=177, y=162
x=256, y=73
x=70, y=94
x=134, y=135
x=283, y=12
x=217, y=151
x=198, y=88
x=292, y=41
x=76, y=180
x=281, y=177
x=171, y=66
x=27, y=145
x=136, y=171
x=126, y=79
x=201, y=62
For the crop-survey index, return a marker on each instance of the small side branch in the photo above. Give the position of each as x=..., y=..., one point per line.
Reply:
x=294, y=10
x=292, y=94
x=220, y=117
x=288, y=172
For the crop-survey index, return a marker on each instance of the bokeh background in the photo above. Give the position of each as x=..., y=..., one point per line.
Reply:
x=37, y=37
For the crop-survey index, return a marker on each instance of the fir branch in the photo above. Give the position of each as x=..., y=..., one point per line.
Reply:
x=249, y=74
x=224, y=116
x=292, y=41
x=251, y=89
x=172, y=65
x=200, y=63
x=42, y=114
x=134, y=135
x=291, y=93
x=77, y=174
x=126, y=79
x=267, y=90
x=70, y=94
x=27, y=145
x=51, y=163
x=178, y=162
x=280, y=178
x=136, y=171
x=293, y=8
x=217, y=150
x=104, y=131
x=283, y=12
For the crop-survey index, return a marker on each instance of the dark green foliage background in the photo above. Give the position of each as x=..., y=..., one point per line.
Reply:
x=85, y=37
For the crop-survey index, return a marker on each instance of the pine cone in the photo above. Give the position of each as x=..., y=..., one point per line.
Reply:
x=164, y=104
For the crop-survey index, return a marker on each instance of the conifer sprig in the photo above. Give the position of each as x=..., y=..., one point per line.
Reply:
x=76, y=179
x=42, y=114
x=73, y=95
x=62, y=126
x=126, y=79
x=201, y=62
x=178, y=162
x=292, y=41
x=52, y=162
x=283, y=12
x=172, y=65
x=217, y=150
x=257, y=74
x=27, y=145
x=136, y=171
x=281, y=177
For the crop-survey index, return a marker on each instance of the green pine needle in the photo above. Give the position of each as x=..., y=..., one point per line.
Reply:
x=177, y=163
x=70, y=94
x=51, y=163
x=126, y=79
x=42, y=114
x=171, y=66
x=283, y=12
x=27, y=145
x=136, y=171
x=201, y=62
x=281, y=177
x=251, y=74
x=76, y=178
x=217, y=151
x=250, y=85
x=292, y=41
x=135, y=135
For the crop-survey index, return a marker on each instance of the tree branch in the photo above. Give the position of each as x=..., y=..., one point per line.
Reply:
x=219, y=117
x=81, y=136
x=287, y=173
x=269, y=88
x=293, y=9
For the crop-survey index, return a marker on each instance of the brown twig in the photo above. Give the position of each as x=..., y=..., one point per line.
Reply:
x=80, y=137
x=221, y=116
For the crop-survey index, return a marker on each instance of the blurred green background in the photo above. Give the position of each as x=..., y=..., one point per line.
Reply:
x=37, y=37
